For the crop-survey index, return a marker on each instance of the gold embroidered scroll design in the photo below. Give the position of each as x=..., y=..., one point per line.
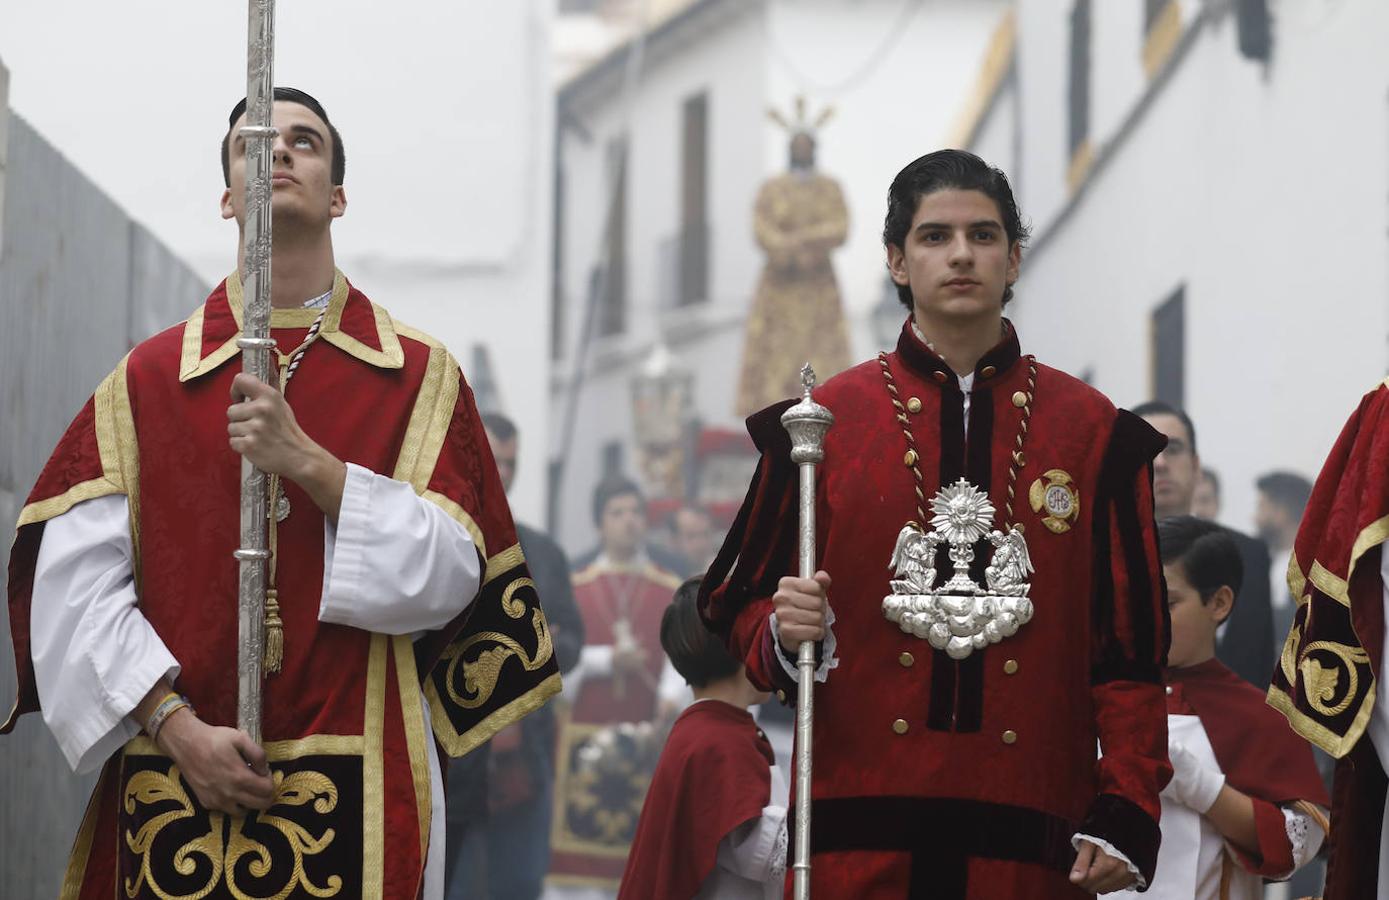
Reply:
x=480, y=676
x=1321, y=683
x=295, y=789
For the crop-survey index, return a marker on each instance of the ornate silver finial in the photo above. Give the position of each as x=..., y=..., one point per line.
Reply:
x=807, y=423
x=960, y=616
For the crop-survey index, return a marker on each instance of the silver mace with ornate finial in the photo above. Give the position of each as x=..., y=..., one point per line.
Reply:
x=806, y=423
x=256, y=346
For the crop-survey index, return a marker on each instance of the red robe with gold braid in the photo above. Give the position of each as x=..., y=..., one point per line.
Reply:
x=598, y=803
x=949, y=780
x=343, y=721
x=1328, y=674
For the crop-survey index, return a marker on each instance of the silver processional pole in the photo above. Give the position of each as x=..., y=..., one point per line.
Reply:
x=806, y=423
x=256, y=346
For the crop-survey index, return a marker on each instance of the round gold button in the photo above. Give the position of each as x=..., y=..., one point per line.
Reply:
x=781, y=695
x=910, y=458
x=900, y=726
x=939, y=376
x=1010, y=737
x=907, y=660
x=1019, y=399
x=1010, y=667
x=988, y=372
x=914, y=405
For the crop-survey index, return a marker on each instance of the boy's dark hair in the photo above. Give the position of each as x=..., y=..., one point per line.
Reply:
x=609, y=489
x=1159, y=408
x=293, y=95
x=502, y=428
x=1288, y=489
x=1207, y=553
x=695, y=652
x=948, y=170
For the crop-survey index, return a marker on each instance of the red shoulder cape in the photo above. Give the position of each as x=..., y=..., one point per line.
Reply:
x=713, y=776
x=1256, y=749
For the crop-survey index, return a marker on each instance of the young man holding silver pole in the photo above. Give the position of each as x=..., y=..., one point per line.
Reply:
x=403, y=613
x=997, y=604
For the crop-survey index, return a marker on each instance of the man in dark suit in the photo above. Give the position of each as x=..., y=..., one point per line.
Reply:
x=499, y=796
x=1246, y=642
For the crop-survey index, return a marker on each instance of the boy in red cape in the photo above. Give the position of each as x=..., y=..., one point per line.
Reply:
x=714, y=823
x=1245, y=803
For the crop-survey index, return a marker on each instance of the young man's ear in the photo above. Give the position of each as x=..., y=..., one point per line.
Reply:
x=227, y=210
x=897, y=265
x=1014, y=262
x=1221, y=604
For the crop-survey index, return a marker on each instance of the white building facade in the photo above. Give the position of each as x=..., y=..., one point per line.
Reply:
x=692, y=99
x=1207, y=183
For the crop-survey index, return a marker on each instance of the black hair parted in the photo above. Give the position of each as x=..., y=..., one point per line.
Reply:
x=949, y=170
x=695, y=651
x=1161, y=408
x=291, y=95
x=1207, y=553
x=609, y=489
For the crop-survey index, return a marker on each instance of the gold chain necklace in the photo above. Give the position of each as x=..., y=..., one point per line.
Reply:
x=1023, y=399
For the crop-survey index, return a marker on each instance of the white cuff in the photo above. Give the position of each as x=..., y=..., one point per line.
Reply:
x=1140, y=882
x=828, y=659
x=1304, y=835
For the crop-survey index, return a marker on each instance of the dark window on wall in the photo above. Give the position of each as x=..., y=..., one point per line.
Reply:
x=1169, y=350
x=557, y=265
x=612, y=458
x=612, y=310
x=1079, y=98
x=694, y=228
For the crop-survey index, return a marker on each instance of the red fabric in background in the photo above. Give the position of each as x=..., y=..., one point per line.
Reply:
x=713, y=776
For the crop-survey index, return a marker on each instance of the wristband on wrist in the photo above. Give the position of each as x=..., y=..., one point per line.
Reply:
x=171, y=704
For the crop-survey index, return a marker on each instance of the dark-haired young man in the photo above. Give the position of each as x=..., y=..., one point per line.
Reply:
x=1246, y=802
x=395, y=568
x=1246, y=642
x=961, y=698
x=615, y=690
x=714, y=822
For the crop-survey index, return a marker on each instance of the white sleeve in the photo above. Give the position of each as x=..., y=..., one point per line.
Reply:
x=756, y=850
x=828, y=649
x=95, y=655
x=1304, y=834
x=395, y=563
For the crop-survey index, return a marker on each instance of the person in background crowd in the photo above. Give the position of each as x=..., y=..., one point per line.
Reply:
x=1205, y=501
x=692, y=536
x=1282, y=500
x=1245, y=641
x=500, y=796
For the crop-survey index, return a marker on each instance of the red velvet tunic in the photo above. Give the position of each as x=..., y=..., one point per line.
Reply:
x=597, y=807
x=343, y=722
x=1327, y=676
x=944, y=779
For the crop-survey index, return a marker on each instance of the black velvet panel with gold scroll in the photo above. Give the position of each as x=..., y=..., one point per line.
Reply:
x=308, y=844
x=500, y=667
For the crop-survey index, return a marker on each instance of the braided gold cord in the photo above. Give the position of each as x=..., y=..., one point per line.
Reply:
x=1018, y=457
x=911, y=438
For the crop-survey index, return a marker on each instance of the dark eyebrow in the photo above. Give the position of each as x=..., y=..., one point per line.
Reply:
x=306, y=129
x=982, y=223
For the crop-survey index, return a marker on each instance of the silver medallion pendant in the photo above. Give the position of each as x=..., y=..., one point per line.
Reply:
x=960, y=616
x=281, y=504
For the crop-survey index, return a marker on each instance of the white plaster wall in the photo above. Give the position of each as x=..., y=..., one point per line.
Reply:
x=1265, y=193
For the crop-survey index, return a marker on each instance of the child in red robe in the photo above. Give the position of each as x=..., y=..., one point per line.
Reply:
x=714, y=823
x=1245, y=802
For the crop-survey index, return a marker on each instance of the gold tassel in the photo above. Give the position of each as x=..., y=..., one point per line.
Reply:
x=274, y=633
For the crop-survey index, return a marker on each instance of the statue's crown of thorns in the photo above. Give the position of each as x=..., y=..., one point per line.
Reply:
x=800, y=123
